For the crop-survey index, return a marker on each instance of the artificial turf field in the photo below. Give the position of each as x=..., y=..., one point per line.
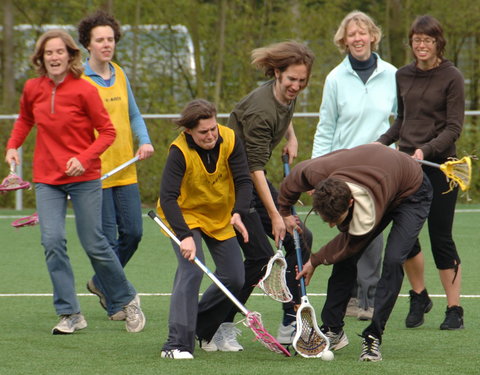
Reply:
x=104, y=347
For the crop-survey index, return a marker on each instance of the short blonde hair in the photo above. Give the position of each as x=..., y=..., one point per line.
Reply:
x=362, y=20
x=75, y=61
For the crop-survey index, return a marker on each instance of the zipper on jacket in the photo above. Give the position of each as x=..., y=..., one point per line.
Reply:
x=52, y=107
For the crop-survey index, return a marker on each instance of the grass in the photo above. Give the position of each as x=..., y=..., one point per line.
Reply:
x=27, y=347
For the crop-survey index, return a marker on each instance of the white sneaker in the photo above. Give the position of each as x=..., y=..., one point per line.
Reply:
x=176, y=354
x=286, y=334
x=226, y=338
x=208, y=346
x=134, y=318
x=121, y=315
x=69, y=324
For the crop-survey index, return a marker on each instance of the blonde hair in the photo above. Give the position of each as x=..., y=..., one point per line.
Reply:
x=75, y=61
x=362, y=20
x=281, y=55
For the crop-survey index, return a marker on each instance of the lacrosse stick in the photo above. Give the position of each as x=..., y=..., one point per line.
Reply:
x=253, y=319
x=458, y=172
x=119, y=168
x=309, y=340
x=13, y=181
x=274, y=283
x=26, y=221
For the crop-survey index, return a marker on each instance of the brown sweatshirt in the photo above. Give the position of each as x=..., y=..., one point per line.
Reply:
x=379, y=178
x=431, y=110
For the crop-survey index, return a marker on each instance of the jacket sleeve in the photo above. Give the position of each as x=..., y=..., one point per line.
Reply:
x=25, y=122
x=323, y=139
x=393, y=133
x=241, y=177
x=341, y=247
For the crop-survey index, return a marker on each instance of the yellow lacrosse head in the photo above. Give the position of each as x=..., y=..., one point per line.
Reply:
x=459, y=172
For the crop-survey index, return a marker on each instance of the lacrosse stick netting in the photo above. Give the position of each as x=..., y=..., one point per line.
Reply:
x=274, y=283
x=13, y=181
x=26, y=221
x=458, y=172
x=252, y=320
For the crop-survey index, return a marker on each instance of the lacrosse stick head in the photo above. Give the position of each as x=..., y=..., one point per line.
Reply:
x=309, y=340
x=274, y=283
x=26, y=221
x=13, y=181
x=254, y=322
x=459, y=172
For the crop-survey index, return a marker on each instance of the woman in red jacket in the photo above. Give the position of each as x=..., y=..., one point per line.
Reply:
x=67, y=111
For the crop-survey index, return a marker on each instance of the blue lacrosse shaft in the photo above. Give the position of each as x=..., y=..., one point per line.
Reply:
x=296, y=237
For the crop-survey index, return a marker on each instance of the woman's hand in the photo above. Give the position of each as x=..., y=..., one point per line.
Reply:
x=237, y=222
x=74, y=168
x=188, y=249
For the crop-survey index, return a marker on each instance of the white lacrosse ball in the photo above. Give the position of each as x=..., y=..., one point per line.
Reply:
x=327, y=355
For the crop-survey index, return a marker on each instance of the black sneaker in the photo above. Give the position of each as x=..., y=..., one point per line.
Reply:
x=370, y=349
x=420, y=304
x=453, y=318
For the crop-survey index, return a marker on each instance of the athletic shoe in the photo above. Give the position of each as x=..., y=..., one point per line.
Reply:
x=365, y=314
x=176, y=354
x=69, y=324
x=453, y=318
x=134, y=319
x=337, y=340
x=94, y=290
x=120, y=315
x=208, y=346
x=352, y=308
x=286, y=334
x=420, y=304
x=370, y=349
x=226, y=338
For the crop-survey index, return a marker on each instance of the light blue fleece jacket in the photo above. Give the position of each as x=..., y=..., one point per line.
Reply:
x=354, y=113
x=137, y=123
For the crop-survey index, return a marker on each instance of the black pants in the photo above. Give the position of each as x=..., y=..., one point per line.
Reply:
x=258, y=251
x=407, y=220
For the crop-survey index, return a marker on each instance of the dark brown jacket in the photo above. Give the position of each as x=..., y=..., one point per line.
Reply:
x=431, y=110
x=379, y=178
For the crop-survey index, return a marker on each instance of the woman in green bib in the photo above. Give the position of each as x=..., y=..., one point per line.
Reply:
x=205, y=190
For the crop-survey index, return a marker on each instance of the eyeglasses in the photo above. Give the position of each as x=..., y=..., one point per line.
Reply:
x=425, y=41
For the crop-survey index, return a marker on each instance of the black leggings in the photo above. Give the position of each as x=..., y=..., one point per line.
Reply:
x=440, y=222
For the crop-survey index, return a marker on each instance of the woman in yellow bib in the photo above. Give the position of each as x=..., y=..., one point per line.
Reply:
x=205, y=190
x=121, y=205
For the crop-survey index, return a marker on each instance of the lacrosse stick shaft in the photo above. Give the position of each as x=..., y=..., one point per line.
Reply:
x=296, y=237
x=204, y=268
x=429, y=163
x=119, y=168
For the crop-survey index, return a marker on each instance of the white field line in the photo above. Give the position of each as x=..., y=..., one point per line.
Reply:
x=169, y=294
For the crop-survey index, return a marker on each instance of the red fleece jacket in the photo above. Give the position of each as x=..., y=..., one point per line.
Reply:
x=66, y=117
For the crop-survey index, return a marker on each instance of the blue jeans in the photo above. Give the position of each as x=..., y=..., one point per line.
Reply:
x=86, y=198
x=122, y=224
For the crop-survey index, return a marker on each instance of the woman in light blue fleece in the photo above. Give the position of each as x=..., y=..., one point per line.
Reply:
x=359, y=97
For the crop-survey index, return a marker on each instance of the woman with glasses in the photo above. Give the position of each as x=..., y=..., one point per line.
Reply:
x=430, y=118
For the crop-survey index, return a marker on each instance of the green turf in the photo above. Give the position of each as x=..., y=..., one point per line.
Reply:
x=27, y=347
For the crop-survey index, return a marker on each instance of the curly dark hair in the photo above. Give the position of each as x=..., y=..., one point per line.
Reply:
x=99, y=18
x=331, y=199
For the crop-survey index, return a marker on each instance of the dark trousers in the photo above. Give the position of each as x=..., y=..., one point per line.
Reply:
x=258, y=250
x=183, y=323
x=407, y=220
